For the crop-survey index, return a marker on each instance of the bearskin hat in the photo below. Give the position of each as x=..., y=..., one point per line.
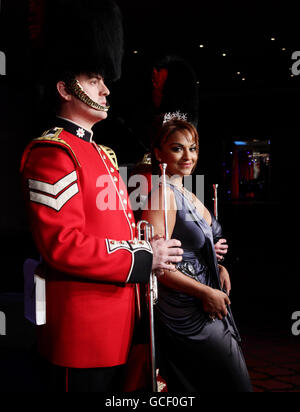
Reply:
x=77, y=36
x=177, y=85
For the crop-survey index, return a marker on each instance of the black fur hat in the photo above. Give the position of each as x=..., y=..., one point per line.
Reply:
x=81, y=36
x=180, y=89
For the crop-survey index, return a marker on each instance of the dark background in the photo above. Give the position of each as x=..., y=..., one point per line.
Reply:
x=262, y=233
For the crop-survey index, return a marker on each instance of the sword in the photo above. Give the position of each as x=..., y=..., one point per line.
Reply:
x=215, y=199
x=163, y=168
x=146, y=232
x=216, y=212
x=216, y=209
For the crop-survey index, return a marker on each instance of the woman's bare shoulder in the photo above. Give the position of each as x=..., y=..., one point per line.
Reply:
x=156, y=198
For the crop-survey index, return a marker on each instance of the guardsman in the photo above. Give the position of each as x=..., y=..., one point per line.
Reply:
x=85, y=231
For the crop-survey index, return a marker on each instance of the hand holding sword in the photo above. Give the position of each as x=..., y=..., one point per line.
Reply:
x=221, y=249
x=164, y=252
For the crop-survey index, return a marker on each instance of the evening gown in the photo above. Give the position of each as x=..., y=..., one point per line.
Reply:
x=195, y=353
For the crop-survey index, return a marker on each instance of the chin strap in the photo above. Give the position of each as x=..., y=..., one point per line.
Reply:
x=76, y=89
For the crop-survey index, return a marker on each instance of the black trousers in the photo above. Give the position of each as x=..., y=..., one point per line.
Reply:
x=61, y=380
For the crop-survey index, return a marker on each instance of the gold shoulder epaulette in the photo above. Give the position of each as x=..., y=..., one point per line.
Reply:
x=146, y=159
x=52, y=133
x=111, y=155
x=52, y=136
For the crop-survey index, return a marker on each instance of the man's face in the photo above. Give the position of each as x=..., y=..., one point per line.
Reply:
x=96, y=89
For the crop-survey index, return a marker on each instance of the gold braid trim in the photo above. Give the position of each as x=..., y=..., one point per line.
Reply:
x=146, y=159
x=76, y=89
x=52, y=136
x=111, y=155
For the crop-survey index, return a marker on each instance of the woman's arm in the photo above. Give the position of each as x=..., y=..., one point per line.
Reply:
x=225, y=279
x=214, y=301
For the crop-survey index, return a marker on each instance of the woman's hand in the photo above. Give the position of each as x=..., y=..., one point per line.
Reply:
x=225, y=279
x=221, y=249
x=214, y=303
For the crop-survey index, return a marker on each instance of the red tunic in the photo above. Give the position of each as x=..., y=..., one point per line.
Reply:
x=82, y=223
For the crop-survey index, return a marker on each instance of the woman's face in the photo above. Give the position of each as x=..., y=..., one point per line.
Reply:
x=179, y=151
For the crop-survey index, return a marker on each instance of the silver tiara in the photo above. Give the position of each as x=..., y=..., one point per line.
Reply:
x=175, y=116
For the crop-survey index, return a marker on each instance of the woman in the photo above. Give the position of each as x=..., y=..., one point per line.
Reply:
x=198, y=342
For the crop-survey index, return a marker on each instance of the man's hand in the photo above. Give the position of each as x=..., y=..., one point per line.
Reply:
x=221, y=249
x=165, y=252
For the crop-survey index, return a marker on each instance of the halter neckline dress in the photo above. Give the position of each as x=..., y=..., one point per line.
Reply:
x=196, y=354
